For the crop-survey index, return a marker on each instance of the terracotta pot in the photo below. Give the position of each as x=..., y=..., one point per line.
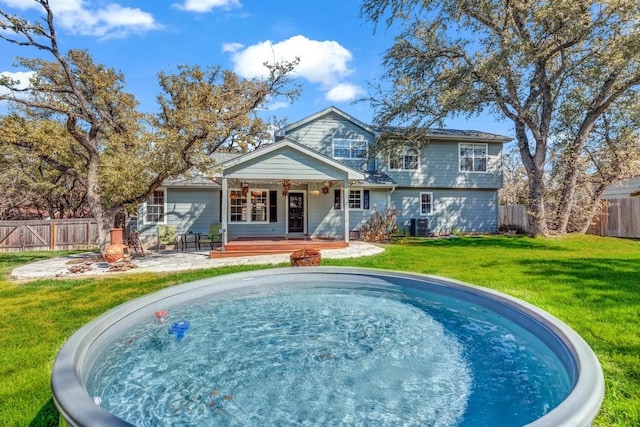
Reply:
x=116, y=236
x=116, y=250
x=113, y=253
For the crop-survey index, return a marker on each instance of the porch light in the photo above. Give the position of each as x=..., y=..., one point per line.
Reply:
x=245, y=188
x=314, y=192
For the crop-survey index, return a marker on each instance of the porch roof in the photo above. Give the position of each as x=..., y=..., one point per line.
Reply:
x=246, y=165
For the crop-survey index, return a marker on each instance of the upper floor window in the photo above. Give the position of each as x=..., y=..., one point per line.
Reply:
x=406, y=160
x=473, y=157
x=349, y=148
x=156, y=206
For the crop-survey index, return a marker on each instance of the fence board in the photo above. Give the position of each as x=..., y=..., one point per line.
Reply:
x=61, y=234
x=618, y=218
x=513, y=217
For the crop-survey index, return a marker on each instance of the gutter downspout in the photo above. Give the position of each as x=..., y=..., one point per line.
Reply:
x=389, y=193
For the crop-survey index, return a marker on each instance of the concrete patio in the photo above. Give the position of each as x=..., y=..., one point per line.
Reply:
x=171, y=261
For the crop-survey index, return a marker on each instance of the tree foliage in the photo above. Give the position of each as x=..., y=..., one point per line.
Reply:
x=553, y=68
x=117, y=153
x=34, y=184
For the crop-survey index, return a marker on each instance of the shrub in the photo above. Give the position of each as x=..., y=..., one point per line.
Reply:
x=380, y=227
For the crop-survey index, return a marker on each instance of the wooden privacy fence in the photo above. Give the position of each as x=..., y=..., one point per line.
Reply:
x=59, y=234
x=513, y=217
x=617, y=218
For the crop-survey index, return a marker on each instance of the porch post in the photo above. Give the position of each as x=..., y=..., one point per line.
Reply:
x=225, y=209
x=345, y=204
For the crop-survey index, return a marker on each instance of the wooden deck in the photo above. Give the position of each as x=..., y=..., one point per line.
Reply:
x=274, y=245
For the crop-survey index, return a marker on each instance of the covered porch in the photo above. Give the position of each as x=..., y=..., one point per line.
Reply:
x=282, y=197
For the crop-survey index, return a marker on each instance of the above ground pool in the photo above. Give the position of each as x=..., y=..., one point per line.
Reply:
x=327, y=346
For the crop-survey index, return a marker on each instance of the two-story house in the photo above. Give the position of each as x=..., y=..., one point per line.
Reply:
x=322, y=177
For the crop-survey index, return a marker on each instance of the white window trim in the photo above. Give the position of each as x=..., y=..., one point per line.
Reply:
x=248, y=206
x=486, y=148
x=359, y=190
x=405, y=153
x=144, y=209
x=431, y=205
x=351, y=140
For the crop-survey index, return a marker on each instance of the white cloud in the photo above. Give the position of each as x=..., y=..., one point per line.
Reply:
x=344, y=92
x=324, y=62
x=21, y=76
x=277, y=105
x=111, y=21
x=232, y=47
x=321, y=62
x=204, y=6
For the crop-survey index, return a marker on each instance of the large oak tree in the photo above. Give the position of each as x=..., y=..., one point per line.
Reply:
x=553, y=68
x=118, y=154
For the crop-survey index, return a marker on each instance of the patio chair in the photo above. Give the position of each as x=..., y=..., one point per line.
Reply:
x=214, y=236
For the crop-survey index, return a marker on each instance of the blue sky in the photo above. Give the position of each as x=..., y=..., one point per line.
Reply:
x=339, y=51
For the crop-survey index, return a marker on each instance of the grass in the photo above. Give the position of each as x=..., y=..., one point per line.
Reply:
x=591, y=283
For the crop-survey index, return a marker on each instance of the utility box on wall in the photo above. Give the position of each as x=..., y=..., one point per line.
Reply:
x=419, y=227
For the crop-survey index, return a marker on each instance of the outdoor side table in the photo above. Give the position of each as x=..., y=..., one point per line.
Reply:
x=190, y=238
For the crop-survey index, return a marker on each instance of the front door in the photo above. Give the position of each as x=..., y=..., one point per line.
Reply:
x=296, y=212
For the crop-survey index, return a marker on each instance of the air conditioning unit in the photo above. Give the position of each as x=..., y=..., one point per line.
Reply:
x=419, y=227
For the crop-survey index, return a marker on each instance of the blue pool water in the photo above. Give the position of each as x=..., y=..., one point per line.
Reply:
x=329, y=356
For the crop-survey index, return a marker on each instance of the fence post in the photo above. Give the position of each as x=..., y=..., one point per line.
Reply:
x=52, y=227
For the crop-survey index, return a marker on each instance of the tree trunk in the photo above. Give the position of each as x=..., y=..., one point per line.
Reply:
x=534, y=165
x=536, y=209
x=94, y=201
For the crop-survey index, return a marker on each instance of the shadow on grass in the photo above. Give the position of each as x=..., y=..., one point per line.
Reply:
x=47, y=416
x=501, y=242
x=619, y=279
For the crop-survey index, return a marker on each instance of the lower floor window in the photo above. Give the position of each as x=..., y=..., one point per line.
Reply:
x=355, y=199
x=426, y=203
x=359, y=199
x=248, y=206
x=156, y=207
x=258, y=206
x=237, y=206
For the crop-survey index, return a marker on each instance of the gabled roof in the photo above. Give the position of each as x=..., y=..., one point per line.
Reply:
x=428, y=133
x=330, y=110
x=457, y=135
x=266, y=150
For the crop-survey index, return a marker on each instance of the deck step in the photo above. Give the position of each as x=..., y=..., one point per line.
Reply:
x=253, y=249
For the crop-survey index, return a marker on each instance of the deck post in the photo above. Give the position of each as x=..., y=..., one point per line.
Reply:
x=225, y=212
x=345, y=205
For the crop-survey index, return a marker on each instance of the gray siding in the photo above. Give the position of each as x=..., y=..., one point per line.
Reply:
x=471, y=211
x=318, y=135
x=439, y=168
x=378, y=201
x=187, y=209
x=322, y=219
x=284, y=163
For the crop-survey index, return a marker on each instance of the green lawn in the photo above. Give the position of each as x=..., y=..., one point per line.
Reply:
x=591, y=283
